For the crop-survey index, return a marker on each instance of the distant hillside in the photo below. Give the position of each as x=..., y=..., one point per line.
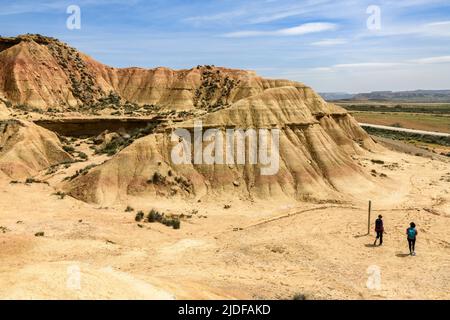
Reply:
x=409, y=96
x=329, y=96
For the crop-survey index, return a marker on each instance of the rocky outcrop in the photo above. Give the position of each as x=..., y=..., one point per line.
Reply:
x=42, y=73
x=26, y=148
x=317, y=142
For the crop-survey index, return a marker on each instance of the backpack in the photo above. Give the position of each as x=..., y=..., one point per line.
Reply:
x=411, y=233
x=378, y=225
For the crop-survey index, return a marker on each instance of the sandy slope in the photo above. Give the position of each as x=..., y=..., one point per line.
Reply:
x=26, y=148
x=283, y=248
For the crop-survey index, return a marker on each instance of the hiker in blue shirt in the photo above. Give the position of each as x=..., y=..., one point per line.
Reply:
x=412, y=233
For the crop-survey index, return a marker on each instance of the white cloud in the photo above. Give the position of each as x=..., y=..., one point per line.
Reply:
x=358, y=66
x=432, y=60
x=322, y=69
x=367, y=65
x=437, y=29
x=383, y=65
x=219, y=17
x=329, y=42
x=432, y=29
x=295, y=31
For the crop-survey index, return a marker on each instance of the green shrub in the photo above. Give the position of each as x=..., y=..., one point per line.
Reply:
x=32, y=180
x=83, y=155
x=158, y=178
x=176, y=224
x=3, y=229
x=154, y=216
x=60, y=194
x=83, y=172
x=139, y=216
x=68, y=149
x=299, y=296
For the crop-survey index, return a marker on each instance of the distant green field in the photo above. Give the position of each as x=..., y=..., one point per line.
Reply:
x=371, y=106
x=427, y=122
x=409, y=137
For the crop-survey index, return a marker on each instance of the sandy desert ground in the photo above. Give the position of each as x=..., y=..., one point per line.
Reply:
x=244, y=235
x=258, y=250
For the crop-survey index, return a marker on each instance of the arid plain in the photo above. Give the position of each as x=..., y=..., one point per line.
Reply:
x=71, y=197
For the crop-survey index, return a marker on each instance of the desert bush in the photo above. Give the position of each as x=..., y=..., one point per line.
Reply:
x=186, y=184
x=51, y=170
x=139, y=216
x=158, y=178
x=32, y=180
x=154, y=216
x=83, y=155
x=83, y=172
x=3, y=229
x=23, y=107
x=299, y=296
x=120, y=143
x=60, y=194
x=129, y=209
x=68, y=149
x=176, y=224
x=39, y=234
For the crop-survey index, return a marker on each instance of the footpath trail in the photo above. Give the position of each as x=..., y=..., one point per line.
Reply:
x=431, y=133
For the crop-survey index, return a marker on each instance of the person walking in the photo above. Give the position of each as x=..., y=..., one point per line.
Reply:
x=412, y=233
x=379, y=229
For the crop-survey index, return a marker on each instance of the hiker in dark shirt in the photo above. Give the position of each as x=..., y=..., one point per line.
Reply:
x=412, y=233
x=379, y=229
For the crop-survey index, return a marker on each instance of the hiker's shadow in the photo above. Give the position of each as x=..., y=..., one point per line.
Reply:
x=370, y=245
x=402, y=255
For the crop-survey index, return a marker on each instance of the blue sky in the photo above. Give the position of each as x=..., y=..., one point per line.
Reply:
x=323, y=43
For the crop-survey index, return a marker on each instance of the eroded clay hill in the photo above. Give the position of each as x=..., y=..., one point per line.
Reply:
x=42, y=73
x=317, y=141
x=26, y=149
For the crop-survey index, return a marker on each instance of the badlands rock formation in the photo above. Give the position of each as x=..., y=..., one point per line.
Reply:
x=26, y=149
x=317, y=139
x=4, y=112
x=44, y=73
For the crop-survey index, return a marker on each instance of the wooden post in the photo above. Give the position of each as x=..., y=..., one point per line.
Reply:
x=368, y=222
